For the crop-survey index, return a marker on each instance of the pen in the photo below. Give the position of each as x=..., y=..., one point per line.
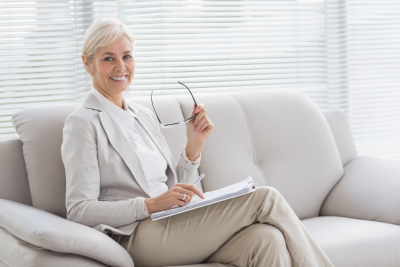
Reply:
x=199, y=179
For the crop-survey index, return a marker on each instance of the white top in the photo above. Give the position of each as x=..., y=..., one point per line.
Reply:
x=153, y=164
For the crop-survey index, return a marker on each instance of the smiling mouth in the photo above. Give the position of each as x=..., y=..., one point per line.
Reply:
x=119, y=78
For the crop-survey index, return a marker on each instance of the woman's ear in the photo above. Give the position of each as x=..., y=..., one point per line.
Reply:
x=86, y=64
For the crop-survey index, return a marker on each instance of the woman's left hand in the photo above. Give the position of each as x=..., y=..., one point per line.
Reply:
x=197, y=132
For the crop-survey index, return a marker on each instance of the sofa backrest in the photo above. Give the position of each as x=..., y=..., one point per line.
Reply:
x=279, y=138
x=343, y=137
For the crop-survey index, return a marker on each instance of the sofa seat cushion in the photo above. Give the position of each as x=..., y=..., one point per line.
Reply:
x=352, y=242
x=203, y=265
x=46, y=230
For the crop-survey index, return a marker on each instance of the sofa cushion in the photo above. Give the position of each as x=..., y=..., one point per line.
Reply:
x=204, y=265
x=280, y=138
x=356, y=243
x=17, y=253
x=46, y=230
x=13, y=178
x=40, y=130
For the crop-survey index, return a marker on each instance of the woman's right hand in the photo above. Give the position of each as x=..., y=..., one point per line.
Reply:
x=174, y=196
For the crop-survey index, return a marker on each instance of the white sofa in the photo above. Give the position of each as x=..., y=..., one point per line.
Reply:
x=349, y=204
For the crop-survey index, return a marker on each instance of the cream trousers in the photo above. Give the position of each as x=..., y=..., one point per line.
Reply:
x=257, y=229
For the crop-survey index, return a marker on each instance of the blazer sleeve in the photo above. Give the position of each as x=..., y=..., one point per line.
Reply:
x=79, y=155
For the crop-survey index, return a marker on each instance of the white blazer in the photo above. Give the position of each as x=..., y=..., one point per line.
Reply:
x=105, y=182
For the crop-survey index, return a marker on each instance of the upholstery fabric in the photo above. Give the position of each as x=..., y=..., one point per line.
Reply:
x=369, y=190
x=356, y=243
x=13, y=178
x=52, y=232
x=279, y=137
x=40, y=130
x=18, y=253
x=201, y=265
x=54, y=259
x=343, y=137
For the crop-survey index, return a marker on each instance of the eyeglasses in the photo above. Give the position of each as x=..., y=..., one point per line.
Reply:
x=176, y=124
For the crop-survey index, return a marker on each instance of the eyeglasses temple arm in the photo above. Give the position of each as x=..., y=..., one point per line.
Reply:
x=189, y=92
x=154, y=108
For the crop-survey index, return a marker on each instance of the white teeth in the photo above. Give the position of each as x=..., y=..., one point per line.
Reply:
x=118, y=78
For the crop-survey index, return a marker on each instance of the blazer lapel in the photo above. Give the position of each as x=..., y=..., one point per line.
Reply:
x=120, y=143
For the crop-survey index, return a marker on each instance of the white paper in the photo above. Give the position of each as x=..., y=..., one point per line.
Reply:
x=231, y=191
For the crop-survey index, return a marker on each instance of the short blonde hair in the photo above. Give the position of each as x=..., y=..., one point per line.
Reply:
x=102, y=33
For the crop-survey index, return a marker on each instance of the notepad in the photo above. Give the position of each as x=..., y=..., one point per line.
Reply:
x=241, y=188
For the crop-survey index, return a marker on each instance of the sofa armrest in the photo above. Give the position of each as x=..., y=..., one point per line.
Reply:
x=17, y=253
x=369, y=190
x=46, y=230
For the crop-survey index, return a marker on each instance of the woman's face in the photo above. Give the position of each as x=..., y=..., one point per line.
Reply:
x=113, y=67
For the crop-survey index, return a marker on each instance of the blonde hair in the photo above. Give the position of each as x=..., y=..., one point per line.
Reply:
x=102, y=33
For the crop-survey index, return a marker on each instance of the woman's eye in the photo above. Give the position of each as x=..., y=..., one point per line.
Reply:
x=108, y=59
x=127, y=57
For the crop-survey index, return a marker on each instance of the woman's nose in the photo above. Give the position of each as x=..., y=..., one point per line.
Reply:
x=120, y=65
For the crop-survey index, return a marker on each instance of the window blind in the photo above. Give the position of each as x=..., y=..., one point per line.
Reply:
x=343, y=54
x=363, y=48
x=374, y=87
x=229, y=45
x=40, y=52
x=209, y=45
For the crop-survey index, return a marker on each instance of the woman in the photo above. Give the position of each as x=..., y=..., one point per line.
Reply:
x=119, y=170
